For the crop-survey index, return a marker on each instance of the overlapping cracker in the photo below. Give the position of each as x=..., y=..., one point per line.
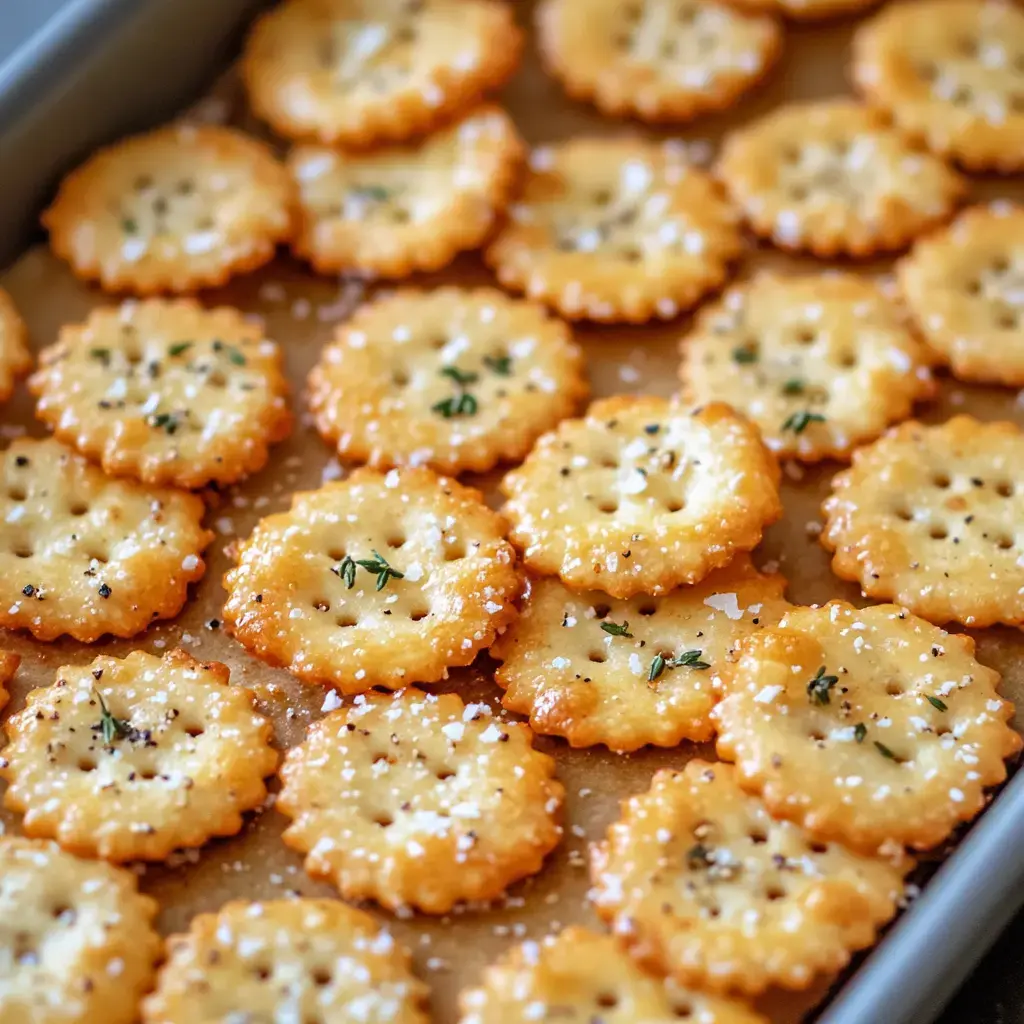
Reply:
x=866, y=725
x=286, y=960
x=176, y=209
x=628, y=673
x=417, y=800
x=9, y=663
x=820, y=363
x=378, y=580
x=616, y=230
x=76, y=938
x=165, y=391
x=642, y=495
x=362, y=72
x=833, y=179
x=456, y=379
x=948, y=73
x=965, y=289
x=805, y=10
x=15, y=358
x=131, y=759
x=579, y=975
x=84, y=555
x=660, y=60
x=394, y=211
x=699, y=881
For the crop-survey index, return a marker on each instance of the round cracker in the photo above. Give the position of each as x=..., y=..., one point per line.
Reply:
x=76, y=938
x=417, y=800
x=438, y=584
x=15, y=358
x=642, y=495
x=394, y=211
x=84, y=555
x=866, y=725
x=286, y=960
x=699, y=881
x=363, y=72
x=176, y=209
x=820, y=363
x=459, y=380
x=616, y=230
x=165, y=391
x=832, y=179
x=660, y=60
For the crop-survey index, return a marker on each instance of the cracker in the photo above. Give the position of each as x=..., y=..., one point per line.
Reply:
x=832, y=179
x=579, y=975
x=84, y=555
x=395, y=211
x=286, y=960
x=456, y=379
x=660, y=60
x=805, y=10
x=15, y=358
x=628, y=673
x=165, y=391
x=131, y=759
x=642, y=495
x=698, y=880
x=948, y=74
x=9, y=663
x=929, y=517
x=417, y=800
x=76, y=938
x=363, y=72
x=378, y=580
x=176, y=209
x=616, y=230
x=866, y=725
x=965, y=290
x=820, y=363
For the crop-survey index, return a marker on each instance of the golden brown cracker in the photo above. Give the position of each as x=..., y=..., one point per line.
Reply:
x=806, y=10
x=84, y=555
x=626, y=673
x=865, y=725
x=15, y=358
x=641, y=495
x=131, y=759
x=165, y=391
x=394, y=211
x=833, y=179
x=176, y=209
x=699, y=881
x=456, y=379
x=417, y=800
x=616, y=230
x=820, y=363
x=9, y=663
x=378, y=580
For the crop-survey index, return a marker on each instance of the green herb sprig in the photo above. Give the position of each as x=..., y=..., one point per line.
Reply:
x=688, y=659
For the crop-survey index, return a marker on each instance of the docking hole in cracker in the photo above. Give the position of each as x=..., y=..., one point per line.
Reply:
x=868, y=726
x=363, y=72
x=77, y=941
x=84, y=555
x=165, y=391
x=456, y=379
x=377, y=580
x=642, y=495
x=131, y=759
x=176, y=209
x=304, y=960
x=833, y=179
x=932, y=517
x=660, y=60
x=820, y=363
x=420, y=801
x=949, y=74
x=394, y=211
x=616, y=230
x=627, y=673
x=582, y=976
x=700, y=882
x=15, y=358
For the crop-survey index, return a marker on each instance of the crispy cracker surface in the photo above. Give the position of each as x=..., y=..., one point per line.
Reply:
x=15, y=358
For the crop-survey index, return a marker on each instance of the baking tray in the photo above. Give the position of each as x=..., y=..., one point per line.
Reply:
x=106, y=67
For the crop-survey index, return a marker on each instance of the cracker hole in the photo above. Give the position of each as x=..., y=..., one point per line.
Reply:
x=817, y=736
x=444, y=774
x=601, y=610
x=757, y=837
x=928, y=71
x=941, y=480
x=973, y=287
x=962, y=97
x=806, y=336
x=454, y=550
x=609, y=506
x=396, y=540
x=438, y=341
x=774, y=892
x=262, y=972
x=94, y=555
x=321, y=976
x=322, y=606
x=1004, y=489
x=419, y=614
x=674, y=505
x=17, y=493
x=384, y=820
x=631, y=254
x=647, y=609
x=147, y=776
x=609, y=462
x=602, y=197
x=818, y=848
x=23, y=551
x=894, y=688
x=64, y=913
x=86, y=764
x=607, y=1000
x=905, y=514
x=1004, y=543
x=713, y=911
x=194, y=731
x=668, y=49
x=1000, y=265
x=217, y=379
x=682, y=1012
x=400, y=378
x=938, y=532
x=78, y=508
x=1007, y=320
x=848, y=360
x=346, y=621
x=336, y=554
x=597, y=657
